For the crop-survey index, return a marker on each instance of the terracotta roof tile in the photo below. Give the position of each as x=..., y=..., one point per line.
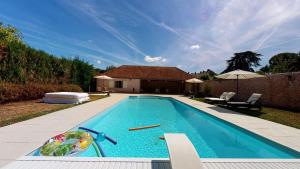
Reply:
x=148, y=72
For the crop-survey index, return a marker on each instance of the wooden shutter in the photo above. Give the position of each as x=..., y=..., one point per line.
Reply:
x=111, y=84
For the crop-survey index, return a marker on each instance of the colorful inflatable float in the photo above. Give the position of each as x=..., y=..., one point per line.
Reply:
x=72, y=143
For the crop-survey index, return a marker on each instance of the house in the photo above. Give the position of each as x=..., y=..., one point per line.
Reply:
x=144, y=79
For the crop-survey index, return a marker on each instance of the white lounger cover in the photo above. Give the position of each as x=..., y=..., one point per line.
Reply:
x=66, y=97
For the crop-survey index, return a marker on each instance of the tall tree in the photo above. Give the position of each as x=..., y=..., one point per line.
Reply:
x=8, y=34
x=205, y=75
x=110, y=67
x=243, y=61
x=284, y=62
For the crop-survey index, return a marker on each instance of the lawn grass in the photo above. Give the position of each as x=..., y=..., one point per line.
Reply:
x=20, y=111
x=286, y=117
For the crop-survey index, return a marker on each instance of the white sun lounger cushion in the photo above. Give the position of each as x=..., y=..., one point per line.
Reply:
x=238, y=103
x=66, y=97
x=229, y=96
x=215, y=99
x=251, y=101
x=225, y=96
x=254, y=98
x=221, y=98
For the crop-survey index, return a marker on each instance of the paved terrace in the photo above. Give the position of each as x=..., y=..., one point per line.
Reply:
x=19, y=139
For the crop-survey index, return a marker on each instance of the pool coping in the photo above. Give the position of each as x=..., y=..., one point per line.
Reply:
x=136, y=159
x=284, y=135
x=144, y=163
x=24, y=137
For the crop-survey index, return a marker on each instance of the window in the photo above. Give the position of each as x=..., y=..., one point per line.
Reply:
x=118, y=84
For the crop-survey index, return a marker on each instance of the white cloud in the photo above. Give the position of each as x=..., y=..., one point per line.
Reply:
x=179, y=66
x=91, y=11
x=99, y=62
x=187, y=37
x=264, y=27
x=151, y=59
x=195, y=47
x=254, y=25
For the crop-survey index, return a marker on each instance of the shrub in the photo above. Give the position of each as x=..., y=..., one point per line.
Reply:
x=10, y=92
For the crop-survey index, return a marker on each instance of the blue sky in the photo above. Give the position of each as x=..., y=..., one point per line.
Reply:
x=193, y=35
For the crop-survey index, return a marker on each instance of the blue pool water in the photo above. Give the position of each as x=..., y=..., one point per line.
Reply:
x=212, y=137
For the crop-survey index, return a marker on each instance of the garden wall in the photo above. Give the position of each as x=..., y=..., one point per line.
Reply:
x=279, y=90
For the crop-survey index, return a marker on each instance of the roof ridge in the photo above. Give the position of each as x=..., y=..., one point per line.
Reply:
x=148, y=72
x=148, y=66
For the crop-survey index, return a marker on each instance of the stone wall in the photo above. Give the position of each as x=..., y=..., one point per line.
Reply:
x=279, y=90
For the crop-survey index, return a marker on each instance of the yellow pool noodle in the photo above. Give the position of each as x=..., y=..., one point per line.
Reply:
x=144, y=127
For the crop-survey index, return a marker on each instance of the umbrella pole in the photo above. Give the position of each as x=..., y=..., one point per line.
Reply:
x=237, y=84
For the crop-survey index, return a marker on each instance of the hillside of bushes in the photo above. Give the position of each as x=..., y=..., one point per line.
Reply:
x=29, y=73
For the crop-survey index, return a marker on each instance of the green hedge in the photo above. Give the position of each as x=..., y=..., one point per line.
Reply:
x=21, y=64
x=18, y=92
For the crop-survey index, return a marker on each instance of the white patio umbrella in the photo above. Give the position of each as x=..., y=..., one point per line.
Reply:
x=238, y=74
x=103, y=77
x=194, y=81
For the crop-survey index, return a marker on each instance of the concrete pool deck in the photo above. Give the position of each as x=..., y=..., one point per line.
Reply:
x=285, y=135
x=20, y=139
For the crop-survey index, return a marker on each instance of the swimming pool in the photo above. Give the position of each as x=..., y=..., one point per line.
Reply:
x=212, y=137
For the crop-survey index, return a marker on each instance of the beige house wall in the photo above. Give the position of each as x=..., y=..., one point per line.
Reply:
x=129, y=85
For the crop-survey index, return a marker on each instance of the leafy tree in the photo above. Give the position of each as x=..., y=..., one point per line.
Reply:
x=8, y=34
x=265, y=69
x=284, y=62
x=211, y=73
x=243, y=61
x=110, y=67
x=204, y=77
x=82, y=73
x=98, y=70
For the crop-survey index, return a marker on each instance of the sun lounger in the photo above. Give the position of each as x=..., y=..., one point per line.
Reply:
x=251, y=102
x=182, y=153
x=103, y=90
x=222, y=97
x=225, y=97
x=107, y=92
x=66, y=97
